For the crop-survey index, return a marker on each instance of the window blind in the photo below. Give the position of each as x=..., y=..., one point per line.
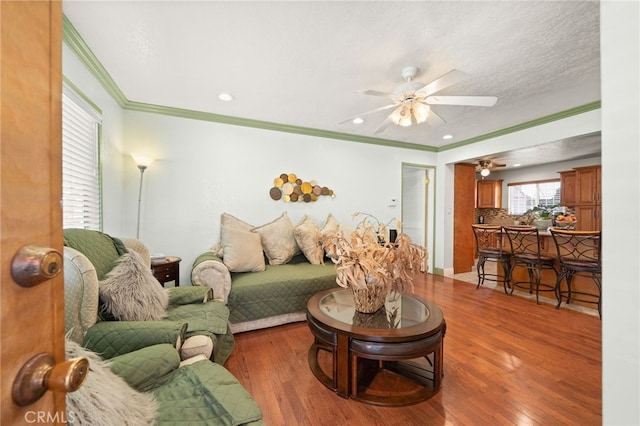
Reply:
x=81, y=186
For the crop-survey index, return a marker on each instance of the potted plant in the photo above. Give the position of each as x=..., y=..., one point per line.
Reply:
x=371, y=265
x=541, y=216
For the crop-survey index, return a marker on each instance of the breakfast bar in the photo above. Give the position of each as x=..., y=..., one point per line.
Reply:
x=582, y=284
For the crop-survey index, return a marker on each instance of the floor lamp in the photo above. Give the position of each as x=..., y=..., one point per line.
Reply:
x=142, y=161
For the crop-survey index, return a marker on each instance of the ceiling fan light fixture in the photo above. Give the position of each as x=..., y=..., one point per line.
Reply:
x=420, y=112
x=485, y=172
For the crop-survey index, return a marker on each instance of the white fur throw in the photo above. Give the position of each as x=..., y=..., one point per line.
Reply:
x=130, y=292
x=105, y=399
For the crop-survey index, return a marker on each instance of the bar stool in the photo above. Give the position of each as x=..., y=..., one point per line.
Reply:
x=490, y=247
x=579, y=255
x=524, y=242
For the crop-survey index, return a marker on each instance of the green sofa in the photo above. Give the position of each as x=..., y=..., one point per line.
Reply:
x=278, y=295
x=154, y=358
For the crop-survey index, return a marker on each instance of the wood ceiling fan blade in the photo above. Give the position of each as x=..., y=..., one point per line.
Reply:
x=449, y=79
x=382, y=108
x=481, y=101
x=375, y=93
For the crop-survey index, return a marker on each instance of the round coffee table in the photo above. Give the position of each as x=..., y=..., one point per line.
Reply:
x=404, y=338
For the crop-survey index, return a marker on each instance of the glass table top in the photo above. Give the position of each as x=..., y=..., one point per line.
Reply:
x=399, y=311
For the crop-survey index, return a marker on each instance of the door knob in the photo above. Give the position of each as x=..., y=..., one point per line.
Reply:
x=41, y=373
x=34, y=264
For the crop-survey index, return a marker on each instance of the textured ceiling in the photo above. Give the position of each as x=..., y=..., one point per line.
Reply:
x=300, y=63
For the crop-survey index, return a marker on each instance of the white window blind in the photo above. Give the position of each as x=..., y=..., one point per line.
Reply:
x=81, y=191
x=525, y=196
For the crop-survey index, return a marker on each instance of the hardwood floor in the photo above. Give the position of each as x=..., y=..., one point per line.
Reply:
x=507, y=361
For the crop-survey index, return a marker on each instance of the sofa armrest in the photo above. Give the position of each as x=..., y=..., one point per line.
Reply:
x=145, y=368
x=189, y=295
x=208, y=270
x=112, y=338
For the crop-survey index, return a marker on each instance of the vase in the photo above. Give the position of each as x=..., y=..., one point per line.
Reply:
x=370, y=298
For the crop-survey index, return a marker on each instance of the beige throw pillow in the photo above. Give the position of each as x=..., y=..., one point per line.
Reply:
x=307, y=235
x=242, y=250
x=278, y=241
x=228, y=221
x=330, y=226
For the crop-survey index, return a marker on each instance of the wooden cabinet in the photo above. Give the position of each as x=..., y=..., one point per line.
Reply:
x=167, y=269
x=568, y=188
x=489, y=194
x=588, y=198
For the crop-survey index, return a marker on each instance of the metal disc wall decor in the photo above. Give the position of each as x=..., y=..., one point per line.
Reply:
x=290, y=188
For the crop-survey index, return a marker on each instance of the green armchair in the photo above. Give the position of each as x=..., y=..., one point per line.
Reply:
x=194, y=323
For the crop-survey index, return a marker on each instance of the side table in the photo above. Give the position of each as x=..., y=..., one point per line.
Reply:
x=167, y=269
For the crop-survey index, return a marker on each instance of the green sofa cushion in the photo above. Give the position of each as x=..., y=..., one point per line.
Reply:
x=280, y=289
x=145, y=368
x=205, y=393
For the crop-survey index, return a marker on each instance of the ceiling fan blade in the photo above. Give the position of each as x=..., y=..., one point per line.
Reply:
x=375, y=93
x=382, y=108
x=434, y=120
x=382, y=126
x=449, y=79
x=481, y=101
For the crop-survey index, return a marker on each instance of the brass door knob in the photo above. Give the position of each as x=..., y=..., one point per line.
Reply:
x=41, y=373
x=33, y=264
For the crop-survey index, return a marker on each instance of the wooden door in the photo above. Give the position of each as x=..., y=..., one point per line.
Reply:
x=32, y=318
x=463, y=216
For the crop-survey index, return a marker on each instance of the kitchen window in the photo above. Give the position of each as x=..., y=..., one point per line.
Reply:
x=524, y=196
x=81, y=186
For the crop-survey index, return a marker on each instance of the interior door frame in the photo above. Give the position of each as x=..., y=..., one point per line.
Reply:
x=426, y=204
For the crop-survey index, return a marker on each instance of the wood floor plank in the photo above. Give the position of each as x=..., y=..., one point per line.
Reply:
x=507, y=361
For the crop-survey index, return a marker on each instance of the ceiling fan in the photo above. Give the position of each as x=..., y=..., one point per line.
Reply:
x=411, y=100
x=485, y=166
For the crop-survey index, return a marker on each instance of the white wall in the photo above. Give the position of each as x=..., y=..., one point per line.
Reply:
x=111, y=142
x=620, y=47
x=204, y=169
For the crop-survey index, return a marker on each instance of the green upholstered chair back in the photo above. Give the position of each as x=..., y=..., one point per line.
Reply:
x=102, y=250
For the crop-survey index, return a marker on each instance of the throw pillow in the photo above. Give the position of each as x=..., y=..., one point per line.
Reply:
x=331, y=226
x=278, y=241
x=105, y=399
x=229, y=221
x=307, y=235
x=130, y=292
x=242, y=250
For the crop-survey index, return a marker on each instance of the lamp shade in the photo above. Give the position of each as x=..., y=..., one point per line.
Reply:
x=142, y=160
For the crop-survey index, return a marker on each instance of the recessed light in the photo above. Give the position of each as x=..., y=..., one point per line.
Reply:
x=447, y=136
x=225, y=97
x=358, y=120
x=517, y=165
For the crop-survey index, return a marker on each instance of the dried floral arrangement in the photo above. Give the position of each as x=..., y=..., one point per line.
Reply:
x=365, y=259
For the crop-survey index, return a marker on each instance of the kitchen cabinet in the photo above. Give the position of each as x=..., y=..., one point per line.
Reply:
x=568, y=188
x=588, y=203
x=489, y=194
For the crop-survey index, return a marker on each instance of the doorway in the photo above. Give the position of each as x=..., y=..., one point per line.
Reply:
x=417, y=206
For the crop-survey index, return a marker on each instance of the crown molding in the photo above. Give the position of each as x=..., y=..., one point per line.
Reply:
x=526, y=125
x=74, y=41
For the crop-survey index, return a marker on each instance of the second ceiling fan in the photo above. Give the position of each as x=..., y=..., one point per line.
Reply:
x=412, y=100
